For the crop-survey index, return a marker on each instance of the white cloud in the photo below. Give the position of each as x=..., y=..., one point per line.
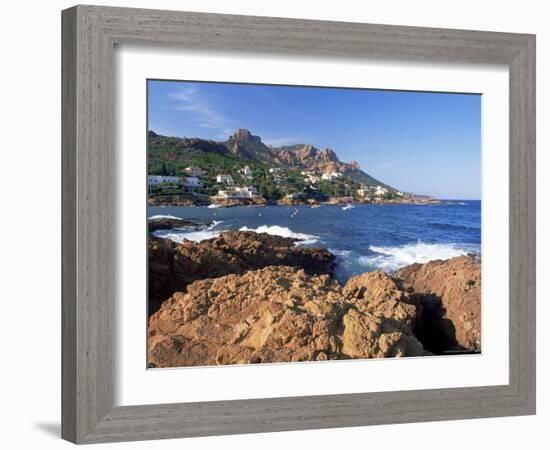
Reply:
x=205, y=115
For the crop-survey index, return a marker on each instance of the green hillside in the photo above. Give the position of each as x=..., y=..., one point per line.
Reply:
x=278, y=171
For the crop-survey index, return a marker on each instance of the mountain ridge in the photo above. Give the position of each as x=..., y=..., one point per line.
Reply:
x=244, y=146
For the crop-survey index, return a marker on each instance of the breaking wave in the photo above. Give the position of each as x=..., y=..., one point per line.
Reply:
x=179, y=235
x=191, y=234
x=276, y=230
x=393, y=258
x=163, y=216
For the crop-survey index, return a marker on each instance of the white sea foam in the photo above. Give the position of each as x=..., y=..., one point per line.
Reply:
x=163, y=216
x=392, y=258
x=179, y=235
x=192, y=234
x=277, y=230
x=342, y=253
x=213, y=205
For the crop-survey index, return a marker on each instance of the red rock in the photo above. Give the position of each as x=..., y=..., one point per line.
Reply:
x=173, y=266
x=281, y=314
x=450, y=295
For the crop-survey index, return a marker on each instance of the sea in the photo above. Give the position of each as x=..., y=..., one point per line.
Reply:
x=363, y=238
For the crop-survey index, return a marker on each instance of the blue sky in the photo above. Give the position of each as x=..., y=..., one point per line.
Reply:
x=426, y=143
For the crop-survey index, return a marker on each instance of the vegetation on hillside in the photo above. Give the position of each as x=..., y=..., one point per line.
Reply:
x=170, y=156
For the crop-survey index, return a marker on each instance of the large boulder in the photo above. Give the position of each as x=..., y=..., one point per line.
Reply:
x=173, y=266
x=449, y=294
x=282, y=314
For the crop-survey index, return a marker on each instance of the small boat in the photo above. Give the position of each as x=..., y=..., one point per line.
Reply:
x=315, y=206
x=348, y=206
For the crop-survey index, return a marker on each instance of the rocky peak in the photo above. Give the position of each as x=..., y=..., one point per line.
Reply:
x=244, y=135
x=307, y=152
x=328, y=155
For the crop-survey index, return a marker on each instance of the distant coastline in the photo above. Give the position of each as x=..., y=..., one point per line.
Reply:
x=198, y=200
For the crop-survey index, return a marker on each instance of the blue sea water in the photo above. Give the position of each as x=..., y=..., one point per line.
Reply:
x=363, y=238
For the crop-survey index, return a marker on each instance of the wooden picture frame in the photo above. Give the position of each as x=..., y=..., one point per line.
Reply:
x=90, y=34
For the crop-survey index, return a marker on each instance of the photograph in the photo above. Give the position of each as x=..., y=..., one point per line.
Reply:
x=294, y=224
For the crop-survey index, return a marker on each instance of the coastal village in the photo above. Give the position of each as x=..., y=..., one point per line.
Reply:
x=245, y=171
x=198, y=187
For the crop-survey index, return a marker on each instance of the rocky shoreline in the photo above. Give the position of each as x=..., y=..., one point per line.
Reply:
x=203, y=201
x=246, y=297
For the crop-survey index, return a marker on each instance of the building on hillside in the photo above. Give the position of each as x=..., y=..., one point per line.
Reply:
x=380, y=191
x=238, y=192
x=192, y=183
x=312, y=178
x=157, y=180
x=246, y=171
x=227, y=179
x=247, y=178
x=275, y=170
x=365, y=191
x=194, y=171
x=329, y=176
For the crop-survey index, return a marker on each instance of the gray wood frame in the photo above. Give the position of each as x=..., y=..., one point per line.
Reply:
x=89, y=36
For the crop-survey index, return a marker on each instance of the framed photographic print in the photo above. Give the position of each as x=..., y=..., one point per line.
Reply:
x=305, y=210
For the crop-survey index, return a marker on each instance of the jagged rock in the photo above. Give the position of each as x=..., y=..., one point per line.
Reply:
x=230, y=202
x=354, y=165
x=450, y=295
x=167, y=223
x=173, y=266
x=282, y=314
x=244, y=135
x=285, y=157
x=328, y=155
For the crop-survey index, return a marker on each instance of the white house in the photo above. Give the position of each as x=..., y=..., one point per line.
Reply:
x=227, y=179
x=246, y=171
x=310, y=177
x=156, y=180
x=275, y=170
x=194, y=171
x=192, y=183
x=238, y=192
x=364, y=191
x=331, y=176
x=380, y=191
